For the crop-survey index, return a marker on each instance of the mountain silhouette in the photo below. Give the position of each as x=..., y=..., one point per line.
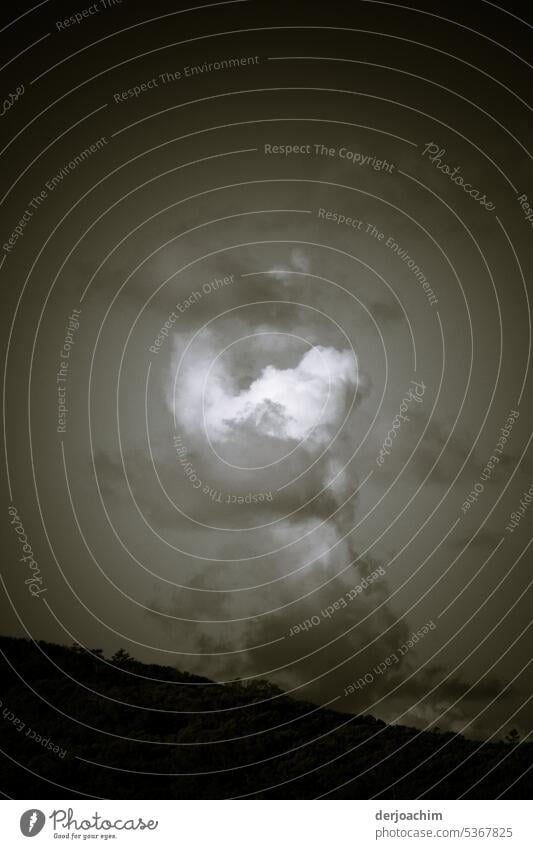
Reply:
x=75, y=724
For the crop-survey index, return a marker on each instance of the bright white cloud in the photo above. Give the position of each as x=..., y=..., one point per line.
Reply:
x=307, y=401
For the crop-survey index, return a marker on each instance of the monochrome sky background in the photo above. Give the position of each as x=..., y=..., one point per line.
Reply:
x=207, y=498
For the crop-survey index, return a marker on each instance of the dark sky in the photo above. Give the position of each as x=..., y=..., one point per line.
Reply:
x=289, y=236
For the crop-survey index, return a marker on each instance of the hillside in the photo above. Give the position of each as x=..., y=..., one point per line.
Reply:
x=160, y=733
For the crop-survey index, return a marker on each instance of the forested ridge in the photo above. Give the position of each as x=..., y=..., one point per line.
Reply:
x=119, y=728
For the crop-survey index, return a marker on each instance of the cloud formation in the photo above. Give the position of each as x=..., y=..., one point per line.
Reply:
x=307, y=401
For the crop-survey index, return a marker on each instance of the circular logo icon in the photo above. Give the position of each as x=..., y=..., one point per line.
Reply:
x=32, y=822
